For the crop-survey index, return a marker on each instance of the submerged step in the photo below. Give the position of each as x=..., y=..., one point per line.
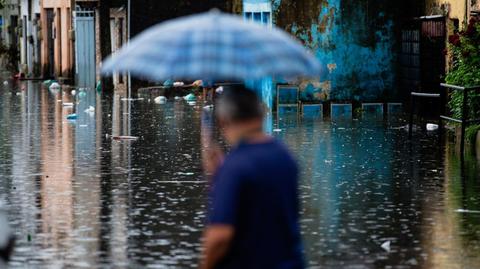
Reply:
x=341, y=111
x=372, y=110
x=394, y=108
x=312, y=110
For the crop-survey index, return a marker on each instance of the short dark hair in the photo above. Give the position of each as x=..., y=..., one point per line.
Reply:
x=238, y=103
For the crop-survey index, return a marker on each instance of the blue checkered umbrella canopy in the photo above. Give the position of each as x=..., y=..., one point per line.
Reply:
x=212, y=45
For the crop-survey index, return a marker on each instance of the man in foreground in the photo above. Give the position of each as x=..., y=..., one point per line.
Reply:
x=253, y=220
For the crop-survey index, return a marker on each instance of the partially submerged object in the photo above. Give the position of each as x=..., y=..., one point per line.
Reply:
x=72, y=116
x=160, y=100
x=190, y=97
x=90, y=109
x=432, y=127
x=124, y=137
x=55, y=86
x=386, y=246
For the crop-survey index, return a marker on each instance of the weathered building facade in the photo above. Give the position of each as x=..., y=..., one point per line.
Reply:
x=30, y=49
x=354, y=41
x=57, y=52
x=9, y=21
x=370, y=50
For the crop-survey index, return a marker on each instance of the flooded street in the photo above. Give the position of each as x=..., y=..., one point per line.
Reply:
x=78, y=199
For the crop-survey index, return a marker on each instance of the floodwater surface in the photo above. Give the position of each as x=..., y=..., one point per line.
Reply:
x=78, y=199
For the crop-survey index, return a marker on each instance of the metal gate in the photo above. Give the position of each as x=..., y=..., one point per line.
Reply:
x=422, y=59
x=85, y=49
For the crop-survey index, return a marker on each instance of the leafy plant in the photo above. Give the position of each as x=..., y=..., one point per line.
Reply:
x=465, y=70
x=471, y=133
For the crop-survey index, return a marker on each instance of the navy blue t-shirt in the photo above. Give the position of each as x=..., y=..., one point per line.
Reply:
x=256, y=191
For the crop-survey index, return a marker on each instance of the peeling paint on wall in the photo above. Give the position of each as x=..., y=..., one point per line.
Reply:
x=353, y=39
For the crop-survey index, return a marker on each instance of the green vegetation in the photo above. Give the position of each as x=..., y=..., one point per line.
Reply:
x=465, y=71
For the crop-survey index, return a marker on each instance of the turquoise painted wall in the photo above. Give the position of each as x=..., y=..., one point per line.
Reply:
x=353, y=39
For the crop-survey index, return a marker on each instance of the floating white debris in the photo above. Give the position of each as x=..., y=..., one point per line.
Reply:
x=73, y=92
x=177, y=98
x=18, y=93
x=90, y=109
x=208, y=108
x=192, y=103
x=328, y=161
x=277, y=130
x=386, y=246
x=124, y=137
x=67, y=104
x=432, y=127
x=461, y=210
x=5, y=82
x=178, y=84
x=185, y=173
x=219, y=90
x=160, y=100
x=55, y=86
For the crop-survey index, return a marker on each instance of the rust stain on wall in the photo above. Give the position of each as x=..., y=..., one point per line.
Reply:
x=304, y=14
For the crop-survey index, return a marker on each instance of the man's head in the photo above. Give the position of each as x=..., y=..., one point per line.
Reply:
x=240, y=113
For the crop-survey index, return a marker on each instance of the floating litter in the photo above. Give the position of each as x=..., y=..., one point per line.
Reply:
x=192, y=103
x=277, y=130
x=54, y=86
x=124, y=137
x=90, y=109
x=190, y=97
x=72, y=117
x=386, y=246
x=5, y=82
x=432, y=127
x=467, y=211
x=73, y=92
x=185, y=173
x=160, y=100
x=208, y=108
x=67, y=104
x=178, y=84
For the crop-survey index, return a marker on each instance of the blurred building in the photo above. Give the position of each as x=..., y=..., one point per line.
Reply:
x=57, y=54
x=30, y=49
x=9, y=22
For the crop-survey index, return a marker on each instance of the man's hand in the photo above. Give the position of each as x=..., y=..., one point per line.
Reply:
x=216, y=241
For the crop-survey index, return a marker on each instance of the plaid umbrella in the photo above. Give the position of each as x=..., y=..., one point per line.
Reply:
x=212, y=45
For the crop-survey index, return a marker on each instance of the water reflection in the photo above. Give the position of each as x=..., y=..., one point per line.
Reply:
x=81, y=199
